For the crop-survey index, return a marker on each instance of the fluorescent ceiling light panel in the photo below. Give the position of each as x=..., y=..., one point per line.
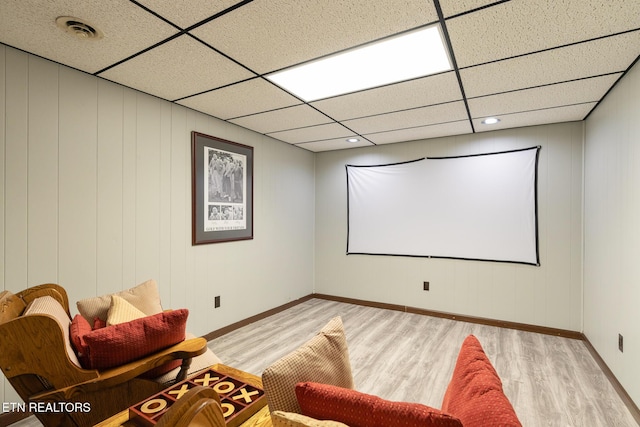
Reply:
x=407, y=56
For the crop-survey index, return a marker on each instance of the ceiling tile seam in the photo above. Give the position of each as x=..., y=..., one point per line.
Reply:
x=135, y=55
x=217, y=15
x=271, y=133
x=415, y=127
x=351, y=134
x=223, y=54
x=550, y=48
x=340, y=122
x=299, y=128
x=541, y=109
x=328, y=139
x=402, y=110
x=477, y=9
x=325, y=114
x=180, y=33
x=157, y=15
x=452, y=57
x=612, y=86
x=290, y=106
x=215, y=88
x=300, y=144
x=266, y=111
x=547, y=84
x=324, y=139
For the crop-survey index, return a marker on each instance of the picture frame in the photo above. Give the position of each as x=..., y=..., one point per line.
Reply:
x=221, y=190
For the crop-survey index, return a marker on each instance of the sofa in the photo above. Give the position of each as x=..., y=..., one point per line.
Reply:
x=313, y=387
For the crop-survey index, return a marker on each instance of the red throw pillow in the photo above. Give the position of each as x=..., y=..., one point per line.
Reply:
x=119, y=344
x=475, y=392
x=77, y=331
x=327, y=402
x=98, y=323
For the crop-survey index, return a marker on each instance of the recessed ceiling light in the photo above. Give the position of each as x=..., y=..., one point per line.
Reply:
x=78, y=27
x=410, y=55
x=490, y=121
x=352, y=140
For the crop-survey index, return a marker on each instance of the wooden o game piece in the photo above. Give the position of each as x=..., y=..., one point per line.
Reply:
x=149, y=408
x=224, y=387
x=228, y=409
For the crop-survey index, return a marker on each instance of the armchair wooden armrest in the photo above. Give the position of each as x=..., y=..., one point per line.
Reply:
x=184, y=350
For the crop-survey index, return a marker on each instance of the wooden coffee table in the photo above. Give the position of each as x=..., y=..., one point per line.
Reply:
x=262, y=418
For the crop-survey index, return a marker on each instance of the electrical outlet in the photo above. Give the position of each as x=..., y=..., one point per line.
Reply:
x=620, y=343
x=216, y=302
x=425, y=286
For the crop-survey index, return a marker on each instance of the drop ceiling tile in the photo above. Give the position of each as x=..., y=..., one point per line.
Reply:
x=313, y=133
x=538, y=117
x=575, y=92
x=518, y=27
x=612, y=54
x=333, y=144
x=185, y=13
x=442, y=113
x=127, y=29
x=284, y=119
x=176, y=69
x=420, y=132
x=455, y=7
x=430, y=90
x=269, y=35
x=241, y=99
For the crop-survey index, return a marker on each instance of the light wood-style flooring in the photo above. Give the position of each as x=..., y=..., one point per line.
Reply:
x=551, y=381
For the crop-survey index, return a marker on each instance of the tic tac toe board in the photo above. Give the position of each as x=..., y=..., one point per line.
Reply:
x=239, y=400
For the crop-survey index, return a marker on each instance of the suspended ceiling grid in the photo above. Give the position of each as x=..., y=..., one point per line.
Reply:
x=527, y=62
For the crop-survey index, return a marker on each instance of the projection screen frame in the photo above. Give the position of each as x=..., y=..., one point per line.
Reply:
x=535, y=207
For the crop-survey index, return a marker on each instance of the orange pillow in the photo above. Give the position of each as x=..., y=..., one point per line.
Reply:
x=356, y=409
x=119, y=344
x=475, y=392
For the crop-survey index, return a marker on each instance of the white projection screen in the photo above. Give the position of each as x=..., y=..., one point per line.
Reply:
x=477, y=207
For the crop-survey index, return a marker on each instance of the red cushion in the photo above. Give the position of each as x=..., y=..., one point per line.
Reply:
x=475, y=392
x=119, y=344
x=77, y=331
x=98, y=323
x=327, y=402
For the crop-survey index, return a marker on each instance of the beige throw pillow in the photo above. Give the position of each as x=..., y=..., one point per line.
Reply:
x=145, y=297
x=290, y=419
x=323, y=359
x=121, y=311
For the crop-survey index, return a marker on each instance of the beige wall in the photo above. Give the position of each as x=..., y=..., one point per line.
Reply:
x=549, y=295
x=612, y=230
x=95, y=194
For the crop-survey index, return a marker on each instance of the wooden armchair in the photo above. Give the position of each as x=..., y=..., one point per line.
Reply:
x=35, y=360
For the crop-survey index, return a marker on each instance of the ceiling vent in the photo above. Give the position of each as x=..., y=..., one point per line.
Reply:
x=79, y=28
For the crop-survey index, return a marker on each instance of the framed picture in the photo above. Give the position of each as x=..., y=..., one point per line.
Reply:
x=222, y=190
